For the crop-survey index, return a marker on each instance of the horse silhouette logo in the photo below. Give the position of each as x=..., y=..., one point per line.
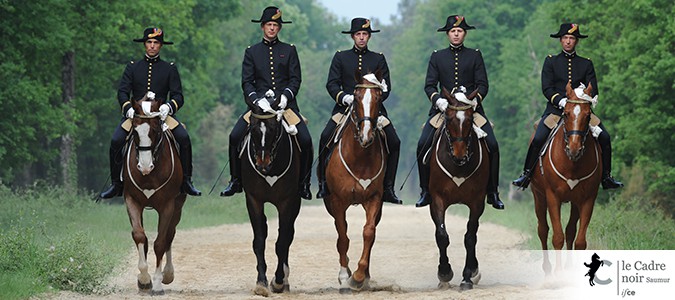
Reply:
x=593, y=267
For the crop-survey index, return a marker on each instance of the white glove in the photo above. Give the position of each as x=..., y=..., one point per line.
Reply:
x=164, y=110
x=151, y=95
x=264, y=105
x=348, y=99
x=130, y=113
x=269, y=94
x=442, y=104
x=283, y=102
x=562, y=102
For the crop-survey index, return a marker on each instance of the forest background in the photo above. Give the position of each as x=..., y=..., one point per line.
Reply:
x=61, y=61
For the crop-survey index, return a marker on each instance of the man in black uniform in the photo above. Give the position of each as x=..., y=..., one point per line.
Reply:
x=565, y=67
x=455, y=67
x=270, y=65
x=340, y=86
x=151, y=74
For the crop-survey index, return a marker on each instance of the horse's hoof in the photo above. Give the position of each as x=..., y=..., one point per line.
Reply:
x=355, y=285
x=144, y=286
x=466, y=285
x=446, y=277
x=279, y=287
x=345, y=291
x=261, y=290
x=167, y=278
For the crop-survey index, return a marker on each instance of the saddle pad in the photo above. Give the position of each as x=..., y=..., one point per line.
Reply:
x=340, y=118
x=437, y=120
x=289, y=115
x=170, y=121
x=551, y=121
x=595, y=121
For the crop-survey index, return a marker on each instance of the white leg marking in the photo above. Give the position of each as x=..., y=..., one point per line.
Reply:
x=144, y=276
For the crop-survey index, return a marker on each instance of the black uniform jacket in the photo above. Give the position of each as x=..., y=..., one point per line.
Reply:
x=271, y=65
x=455, y=67
x=343, y=71
x=150, y=74
x=560, y=69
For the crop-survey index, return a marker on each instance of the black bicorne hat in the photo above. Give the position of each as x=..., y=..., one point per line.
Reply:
x=359, y=24
x=153, y=33
x=271, y=13
x=568, y=28
x=455, y=21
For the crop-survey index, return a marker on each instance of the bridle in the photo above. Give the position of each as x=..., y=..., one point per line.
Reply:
x=582, y=133
x=357, y=122
x=450, y=139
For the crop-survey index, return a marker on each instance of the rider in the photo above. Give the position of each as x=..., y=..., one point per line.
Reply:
x=137, y=80
x=270, y=65
x=460, y=69
x=340, y=85
x=558, y=70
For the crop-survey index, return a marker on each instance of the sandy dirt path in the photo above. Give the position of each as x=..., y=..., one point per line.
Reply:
x=218, y=262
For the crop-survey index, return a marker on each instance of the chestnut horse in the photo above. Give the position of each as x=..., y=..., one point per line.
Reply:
x=270, y=161
x=459, y=173
x=355, y=175
x=570, y=171
x=152, y=178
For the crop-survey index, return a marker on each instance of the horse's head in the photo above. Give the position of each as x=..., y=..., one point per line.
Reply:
x=147, y=133
x=265, y=135
x=366, y=107
x=576, y=122
x=459, y=126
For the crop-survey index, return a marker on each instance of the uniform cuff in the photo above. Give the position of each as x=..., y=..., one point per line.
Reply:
x=339, y=96
x=434, y=97
x=173, y=104
x=125, y=107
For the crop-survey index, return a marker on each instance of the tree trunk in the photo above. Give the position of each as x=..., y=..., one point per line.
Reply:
x=68, y=170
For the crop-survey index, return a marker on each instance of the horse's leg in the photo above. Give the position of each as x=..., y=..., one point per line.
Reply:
x=161, y=244
x=339, y=215
x=437, y=211
x=540, y=210
x=359, y=279
x=471, y=272
x=571, y=228
x=558, y=238
x=167, y=272
x=585, y=213
x=135, y=212
x=288, y=212
x=256, y=215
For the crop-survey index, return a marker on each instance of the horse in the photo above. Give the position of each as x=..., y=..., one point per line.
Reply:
x=270, y=160
x=152, y=176
x=355, y=175
x=459, y=171
x=568, y=173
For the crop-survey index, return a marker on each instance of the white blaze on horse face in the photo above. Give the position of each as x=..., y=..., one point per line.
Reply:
x=577, y=111
x=461, y=115
x=367, y=99
x=145, y=164
x=263, y=130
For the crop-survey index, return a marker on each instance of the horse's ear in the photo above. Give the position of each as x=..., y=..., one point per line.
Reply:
x=445, y=93
x=358, y=76
x=276, y=102
x=473, y=94
x=589, y=89
x=378, y=74
x=569, y=91
x=256, y=109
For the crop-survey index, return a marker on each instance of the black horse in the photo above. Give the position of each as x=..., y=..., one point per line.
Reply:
x=593, y=267
x=270, y=160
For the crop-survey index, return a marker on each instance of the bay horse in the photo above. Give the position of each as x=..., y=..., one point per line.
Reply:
x=568, y=173
x=152, y=178
x=270, y=161
x=355, y=175
x=459, y=172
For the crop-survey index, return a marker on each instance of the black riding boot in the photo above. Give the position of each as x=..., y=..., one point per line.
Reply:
x=186, y=163
x=235, y=172
x=425, y=197
x=524, y=180
x=389, y=178
x=608, y=182
x=305, y=175
x=321, y=174
x=493, y=182
x=116, y=189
